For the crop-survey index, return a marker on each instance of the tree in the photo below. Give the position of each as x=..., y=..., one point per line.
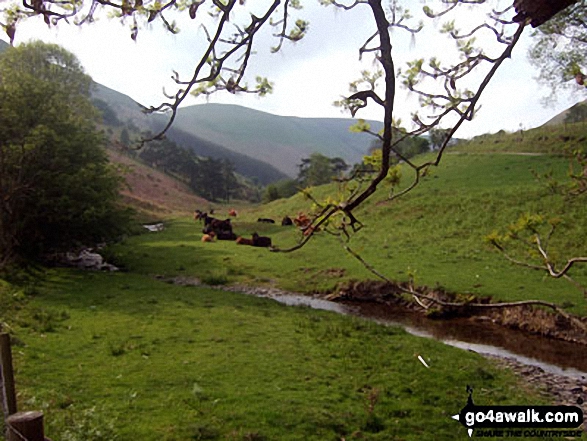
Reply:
x=319, y=169
x=280, y=190
x=210, y=178
x=559, y=49
x=213, y=179
x=56, y=186
x=124, y=137
x=437, y=137
x=229, y=181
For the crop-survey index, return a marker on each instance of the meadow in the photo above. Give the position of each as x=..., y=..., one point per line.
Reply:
x=132, y=356
x=125, y=356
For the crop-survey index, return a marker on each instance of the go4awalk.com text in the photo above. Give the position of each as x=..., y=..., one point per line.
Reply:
x=520, y=421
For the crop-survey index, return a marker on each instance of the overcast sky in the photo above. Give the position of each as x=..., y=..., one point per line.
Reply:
x=308, y=75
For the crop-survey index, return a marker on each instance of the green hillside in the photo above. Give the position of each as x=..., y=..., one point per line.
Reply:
x=250, y=167
x=438, y=231
x=280, y=140
x=549, y=139
x=129, y=114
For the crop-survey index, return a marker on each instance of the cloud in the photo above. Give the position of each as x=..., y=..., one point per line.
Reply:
x=308, y=75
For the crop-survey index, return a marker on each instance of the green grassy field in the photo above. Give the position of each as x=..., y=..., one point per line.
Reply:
x=437, y=232
x=125, y=356
x=129, y=356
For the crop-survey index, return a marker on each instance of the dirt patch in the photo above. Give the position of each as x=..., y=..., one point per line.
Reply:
x=437, y=303
x=334, y=272
x=153, y=192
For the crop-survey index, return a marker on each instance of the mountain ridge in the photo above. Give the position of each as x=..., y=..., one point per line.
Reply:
x=282, y=141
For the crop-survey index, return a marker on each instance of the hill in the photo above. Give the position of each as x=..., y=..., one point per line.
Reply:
x=129, y=113
x=281, y=141
x=262, y=146
x=555, y=139
x=254, y=169
x=561, y=117
x=155, y=195
x=437, y=232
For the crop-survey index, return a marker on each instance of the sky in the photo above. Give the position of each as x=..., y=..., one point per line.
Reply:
x=308, y=75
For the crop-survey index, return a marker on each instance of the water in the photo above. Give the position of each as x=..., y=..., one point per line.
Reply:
x=554, y=356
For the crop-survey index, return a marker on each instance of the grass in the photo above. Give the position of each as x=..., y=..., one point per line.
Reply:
x=130, y=357
x=548, y=139
x=436, y=233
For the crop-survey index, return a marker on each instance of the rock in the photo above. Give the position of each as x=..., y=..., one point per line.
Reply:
x=154, y=228
x=85, y=259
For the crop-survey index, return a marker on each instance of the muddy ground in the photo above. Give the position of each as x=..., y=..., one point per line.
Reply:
x=435, y=303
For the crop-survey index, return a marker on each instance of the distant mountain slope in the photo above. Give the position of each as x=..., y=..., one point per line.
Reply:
x=247, y=166
x=282, y=141
x=127, y=110
x=560, y=118
x=153, y=193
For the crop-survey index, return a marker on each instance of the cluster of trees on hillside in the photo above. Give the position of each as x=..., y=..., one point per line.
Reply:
x=317, y=169
x=213, y=179
x=57, y=189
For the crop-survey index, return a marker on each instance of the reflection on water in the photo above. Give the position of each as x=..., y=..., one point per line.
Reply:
x=554, y=356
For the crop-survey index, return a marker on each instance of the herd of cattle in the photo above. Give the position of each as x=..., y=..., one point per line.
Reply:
x=222, y=229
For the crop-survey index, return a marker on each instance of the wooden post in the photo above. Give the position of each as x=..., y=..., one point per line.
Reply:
x=25, y=426
x=8, y=397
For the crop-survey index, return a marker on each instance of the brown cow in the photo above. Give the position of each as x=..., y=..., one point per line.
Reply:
x=208, y=237
x=243, y=241
x=302, y=220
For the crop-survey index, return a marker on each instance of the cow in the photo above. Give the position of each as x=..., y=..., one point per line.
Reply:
x=208, y=237
x=221, y=228
x=243, y=241
x=199, y=215
x=286, y=221
x=232, y=212
x=226, y=235
x=266, y=220
x=261, y=241
x=207, y=219
x=302, y=220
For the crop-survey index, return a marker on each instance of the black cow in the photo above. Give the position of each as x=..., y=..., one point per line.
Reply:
x=221, y=228
x=261, y=241
x=266, y=220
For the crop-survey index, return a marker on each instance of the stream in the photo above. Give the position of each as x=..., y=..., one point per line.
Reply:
x=554, y=356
